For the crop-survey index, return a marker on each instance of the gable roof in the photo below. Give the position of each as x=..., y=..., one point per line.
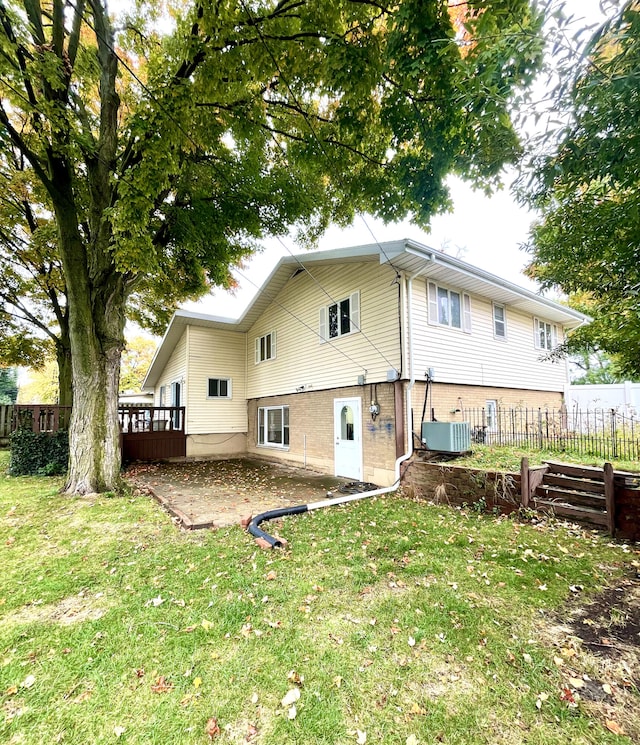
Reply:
x=407, y=256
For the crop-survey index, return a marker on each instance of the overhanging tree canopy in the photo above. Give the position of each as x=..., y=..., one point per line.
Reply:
x=587, y=241
x=166, y=156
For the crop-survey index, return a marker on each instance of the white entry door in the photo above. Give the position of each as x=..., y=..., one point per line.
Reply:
x=347, y=426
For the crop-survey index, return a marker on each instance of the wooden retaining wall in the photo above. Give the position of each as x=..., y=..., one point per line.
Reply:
x=597, y=497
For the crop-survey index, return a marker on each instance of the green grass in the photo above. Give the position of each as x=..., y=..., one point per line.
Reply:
x=404, y=621
x=506, y=458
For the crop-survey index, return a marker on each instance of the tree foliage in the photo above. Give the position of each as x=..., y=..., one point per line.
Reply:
x=588, y=191
x=8, y=385
x=162, y=157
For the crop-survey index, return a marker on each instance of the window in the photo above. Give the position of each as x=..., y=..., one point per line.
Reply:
x=448, y=308
x=219, y=388
x=273, y=426
x=545, y=334
x=499, y=321
x=266, y=347
x=163, y=395
x=491, y=415
x=341, y=318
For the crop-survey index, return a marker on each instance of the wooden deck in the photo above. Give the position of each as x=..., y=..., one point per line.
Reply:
x=152, y=432
x=148, y=432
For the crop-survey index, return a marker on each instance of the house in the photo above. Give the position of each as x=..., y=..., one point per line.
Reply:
x=335, y=362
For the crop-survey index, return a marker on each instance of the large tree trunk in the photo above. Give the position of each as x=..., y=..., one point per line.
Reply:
x=65, y=373
x=97, y=304
x=94, y=445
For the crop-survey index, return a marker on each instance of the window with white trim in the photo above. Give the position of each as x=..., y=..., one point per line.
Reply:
x=273, y=426
x=340, y=318
x=499, y=321
x=162, y=397
x=491, y=415
x=219, y=388
x=448, y=307
x=545, y=334
x=266, y=347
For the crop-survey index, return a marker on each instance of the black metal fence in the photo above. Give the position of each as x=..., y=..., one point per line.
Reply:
x=601, y=433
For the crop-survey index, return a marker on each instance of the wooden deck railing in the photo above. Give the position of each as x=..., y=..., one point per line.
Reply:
x=51, y=418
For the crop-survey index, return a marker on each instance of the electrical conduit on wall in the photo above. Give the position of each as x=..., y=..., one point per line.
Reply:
x=273, y=541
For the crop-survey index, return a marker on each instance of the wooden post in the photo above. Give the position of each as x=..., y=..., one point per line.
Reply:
x=524, y=482
x=610, y=498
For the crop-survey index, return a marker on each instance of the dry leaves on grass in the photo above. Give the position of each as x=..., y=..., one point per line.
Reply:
x=212, y=728
x=162, y=685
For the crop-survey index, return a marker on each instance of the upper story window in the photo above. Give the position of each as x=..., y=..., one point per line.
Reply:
x=499, y=321
x=545, y=334
x=340, y=318
x=266, y=347
x=219, y=388
x=448, y=307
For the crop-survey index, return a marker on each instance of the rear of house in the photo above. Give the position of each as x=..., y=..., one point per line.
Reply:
x=343, y=353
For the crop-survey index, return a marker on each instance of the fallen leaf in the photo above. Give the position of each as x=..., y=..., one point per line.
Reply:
x=162, y=685
x=614, y=727
x=11, y=691
x=293, y=712
x=118, y=730
x=294, y=677
x=411, y=642
x=337, y=681
x=271, y=576
x=197, y=682
x=607, y=689
x=411, y=740
x=28, y=681
x=566, y=695
x=290, y=697
x=212, y=728
x=206, y=625
x=361, y=738
x=576, y=682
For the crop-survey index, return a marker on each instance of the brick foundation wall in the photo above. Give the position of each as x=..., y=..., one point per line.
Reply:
x=311, y=414
x=449, y=400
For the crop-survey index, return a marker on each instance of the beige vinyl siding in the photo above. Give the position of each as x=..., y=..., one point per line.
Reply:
x=175, y=369
x=216, y=354
x=478, y=358
x=301, y=360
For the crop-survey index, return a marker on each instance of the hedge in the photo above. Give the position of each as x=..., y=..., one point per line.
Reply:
x=38, y=453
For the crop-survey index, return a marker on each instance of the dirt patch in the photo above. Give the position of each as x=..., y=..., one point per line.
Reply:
x=70, y=610
x=205, y=494
x=598, y=646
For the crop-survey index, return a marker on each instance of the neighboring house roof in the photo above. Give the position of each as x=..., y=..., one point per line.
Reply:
x=408, y=256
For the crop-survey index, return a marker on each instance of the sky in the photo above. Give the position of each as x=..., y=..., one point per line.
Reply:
x=487, y=232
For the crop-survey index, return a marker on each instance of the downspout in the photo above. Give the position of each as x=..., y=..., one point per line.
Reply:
x=275, y=542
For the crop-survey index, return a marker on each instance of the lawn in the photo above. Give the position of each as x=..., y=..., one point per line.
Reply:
x=507, y=458
x=384, y=621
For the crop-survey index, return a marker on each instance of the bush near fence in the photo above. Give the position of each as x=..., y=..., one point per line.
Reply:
x=38, y=453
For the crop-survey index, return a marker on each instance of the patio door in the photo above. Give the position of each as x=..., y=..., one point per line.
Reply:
x=176, y=400
x=347, y=426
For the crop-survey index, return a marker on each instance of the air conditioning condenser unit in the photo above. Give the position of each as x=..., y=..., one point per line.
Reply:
x=447, y=437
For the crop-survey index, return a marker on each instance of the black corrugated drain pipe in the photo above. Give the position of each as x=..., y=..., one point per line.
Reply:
x=298, y=509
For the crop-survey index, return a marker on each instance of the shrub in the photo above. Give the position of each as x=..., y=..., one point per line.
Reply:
x=38, y=453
